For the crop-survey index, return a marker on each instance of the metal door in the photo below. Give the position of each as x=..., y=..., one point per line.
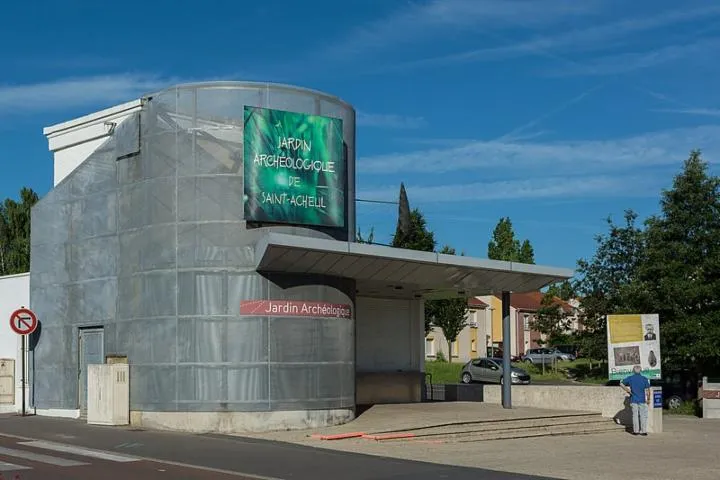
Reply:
x=91, y=350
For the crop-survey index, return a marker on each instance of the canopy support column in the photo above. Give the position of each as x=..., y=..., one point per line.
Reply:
x=507, y=351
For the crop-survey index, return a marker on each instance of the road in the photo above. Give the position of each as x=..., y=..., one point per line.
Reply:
x=23, y=460
x=41, y=447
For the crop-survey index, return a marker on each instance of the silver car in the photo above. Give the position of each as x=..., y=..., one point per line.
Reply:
x=539, y=356
x=490, y=370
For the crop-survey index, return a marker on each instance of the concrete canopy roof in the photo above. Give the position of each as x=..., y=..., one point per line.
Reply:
x=399, y=273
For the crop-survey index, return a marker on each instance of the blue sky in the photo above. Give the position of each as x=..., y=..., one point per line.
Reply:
x=556, y=113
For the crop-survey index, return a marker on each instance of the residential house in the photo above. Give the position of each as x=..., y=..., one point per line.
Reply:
x=472, y=341
x=483, y=334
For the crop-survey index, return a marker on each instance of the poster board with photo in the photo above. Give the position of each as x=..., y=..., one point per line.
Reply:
x=633, y=339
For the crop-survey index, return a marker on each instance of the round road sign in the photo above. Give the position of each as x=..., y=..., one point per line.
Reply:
x=23, y=321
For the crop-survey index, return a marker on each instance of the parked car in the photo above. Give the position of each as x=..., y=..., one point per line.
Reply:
x=678, y=386
x=490, y=370
x=546, y=355
x=569, y=349
x=498, y=353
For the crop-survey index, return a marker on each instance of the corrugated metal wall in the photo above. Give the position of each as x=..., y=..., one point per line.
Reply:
x=147, y=239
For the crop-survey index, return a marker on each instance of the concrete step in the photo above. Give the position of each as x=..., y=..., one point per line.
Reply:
x=547, y=431
x=499, y=425
x=586, y=428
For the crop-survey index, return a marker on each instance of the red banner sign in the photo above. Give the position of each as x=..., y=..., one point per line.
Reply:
x=294, y=308
x=711, y=394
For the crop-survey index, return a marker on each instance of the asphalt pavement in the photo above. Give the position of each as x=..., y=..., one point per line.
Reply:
x=33, y=460
x=34, y=447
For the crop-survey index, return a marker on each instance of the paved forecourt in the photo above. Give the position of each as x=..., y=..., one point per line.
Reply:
x=127, y=452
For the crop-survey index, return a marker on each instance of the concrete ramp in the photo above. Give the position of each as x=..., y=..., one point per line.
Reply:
x=463, y=422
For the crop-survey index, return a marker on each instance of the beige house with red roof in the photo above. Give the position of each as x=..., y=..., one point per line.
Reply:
x=483, y=334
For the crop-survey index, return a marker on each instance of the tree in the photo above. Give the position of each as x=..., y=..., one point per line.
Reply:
x=563, y=290
x=417, y=237
x=449, y=315
x=680, y=273
x=526, y=253
x=370, y=238
x=15, y=233
x=412, y=233
x=504, y=245
x=607, y=282
x=552, y=319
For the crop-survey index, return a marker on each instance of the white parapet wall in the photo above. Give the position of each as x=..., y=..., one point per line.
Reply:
x=14, y=293
x=240, y=422
x=72, y=142
x=610, y=402
x=711, y=399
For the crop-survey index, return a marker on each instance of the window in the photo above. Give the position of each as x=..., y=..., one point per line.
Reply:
x=429, y=347
x=473, y=345
x=455, y=348
x=526, y=321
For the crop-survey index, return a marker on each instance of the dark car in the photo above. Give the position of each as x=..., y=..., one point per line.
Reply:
x=678, y=386
x=498, y=353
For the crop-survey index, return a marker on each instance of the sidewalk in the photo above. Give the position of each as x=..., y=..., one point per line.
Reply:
x=250, y=457
x=686, y=449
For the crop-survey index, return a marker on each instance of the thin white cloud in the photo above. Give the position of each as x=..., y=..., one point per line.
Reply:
x=535, y=188
x=707, y=112
x=425, y=20
x=384, y=120
x=628, y=62
x=592, y=38
x=492, y=221
x=76, y=92
x=574, y=157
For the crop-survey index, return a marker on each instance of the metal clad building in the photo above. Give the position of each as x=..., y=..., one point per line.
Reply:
x=143, y=250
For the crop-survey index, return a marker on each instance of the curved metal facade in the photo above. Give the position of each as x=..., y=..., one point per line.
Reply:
x=147, y=240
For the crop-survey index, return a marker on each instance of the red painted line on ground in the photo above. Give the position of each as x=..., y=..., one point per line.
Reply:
x=389, y=436
x=338, y=436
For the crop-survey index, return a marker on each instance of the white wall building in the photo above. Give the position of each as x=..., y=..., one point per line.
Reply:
x=72, y=142
x=14, y=293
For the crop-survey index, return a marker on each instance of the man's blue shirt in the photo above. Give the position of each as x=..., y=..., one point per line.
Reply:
x=637, y=383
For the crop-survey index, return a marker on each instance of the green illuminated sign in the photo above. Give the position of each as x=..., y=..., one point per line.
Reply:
x=294, y=168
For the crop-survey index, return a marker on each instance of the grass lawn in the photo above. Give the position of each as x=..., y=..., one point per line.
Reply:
x=580, y=370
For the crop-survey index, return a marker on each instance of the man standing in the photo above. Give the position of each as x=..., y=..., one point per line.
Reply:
x=638, y=386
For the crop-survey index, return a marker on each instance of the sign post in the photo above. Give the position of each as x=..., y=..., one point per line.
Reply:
x=23, y=322
x=634, y=340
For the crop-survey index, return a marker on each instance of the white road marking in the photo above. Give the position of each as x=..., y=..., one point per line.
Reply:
x=163, y=462
x=37, y=457
x=9, y=467
x=83, y=452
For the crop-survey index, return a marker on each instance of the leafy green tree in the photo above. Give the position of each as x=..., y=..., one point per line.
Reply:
x=608, y=282
x=15, y=233
x=370, y=238
x=563, y=290
x=417, y=236
x=449, y=315
x=680, y=272
x=526, y=253
x=504, y=245
x=412, y=233
x=552, y=319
